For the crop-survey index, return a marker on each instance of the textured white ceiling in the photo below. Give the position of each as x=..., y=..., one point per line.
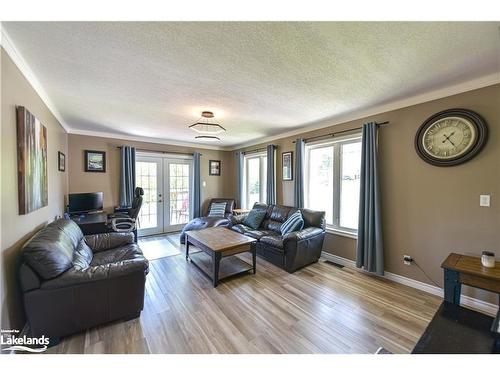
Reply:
x=152, y=79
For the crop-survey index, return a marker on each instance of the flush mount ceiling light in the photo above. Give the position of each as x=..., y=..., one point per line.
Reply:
x=205, y=126
x=208, y=138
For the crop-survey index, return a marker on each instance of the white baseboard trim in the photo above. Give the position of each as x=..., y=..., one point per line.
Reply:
x=474, y=303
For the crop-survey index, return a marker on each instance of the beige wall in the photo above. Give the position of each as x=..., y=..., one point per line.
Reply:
x=16, y=229
x=427, y=211
x=81, y=181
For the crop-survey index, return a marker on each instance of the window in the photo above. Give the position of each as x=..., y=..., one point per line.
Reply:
x=333, y=181
x=254, y=183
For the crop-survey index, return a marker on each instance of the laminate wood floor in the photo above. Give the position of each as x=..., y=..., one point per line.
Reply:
x=319, y=309
x=160, y=246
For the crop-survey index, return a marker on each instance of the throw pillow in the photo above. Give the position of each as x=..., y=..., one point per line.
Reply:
x=217, y=209
x=293, y=223
x=254, y=218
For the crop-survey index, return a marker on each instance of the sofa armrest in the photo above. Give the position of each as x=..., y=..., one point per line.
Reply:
x=302, y=247
x=29, y=280
x=75, y=276
x=301, y=235
x=106, y=241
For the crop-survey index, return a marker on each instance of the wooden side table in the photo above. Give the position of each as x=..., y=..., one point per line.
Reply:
x=458, y=330
x=462, y=269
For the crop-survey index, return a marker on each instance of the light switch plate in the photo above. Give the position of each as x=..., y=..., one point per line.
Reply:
x=204, y=183
x=484, y=200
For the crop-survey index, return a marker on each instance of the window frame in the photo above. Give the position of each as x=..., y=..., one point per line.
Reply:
x=262, y=156
x=337, y=144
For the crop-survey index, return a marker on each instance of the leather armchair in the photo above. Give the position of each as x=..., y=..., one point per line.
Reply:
x=71, y=282
x=209, y=221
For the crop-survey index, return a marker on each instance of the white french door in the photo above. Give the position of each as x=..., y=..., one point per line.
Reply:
x=167, y=184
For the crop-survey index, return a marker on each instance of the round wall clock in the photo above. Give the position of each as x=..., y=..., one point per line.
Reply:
x=451, y=137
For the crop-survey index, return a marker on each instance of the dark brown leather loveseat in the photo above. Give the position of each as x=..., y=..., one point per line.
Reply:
x=293, y=250
x=71, y=282
x=209, y=221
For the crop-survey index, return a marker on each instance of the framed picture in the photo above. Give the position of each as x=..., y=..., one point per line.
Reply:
x=214, y=167
x=31, y=162
x=61, y=161
x=95, y=161
x=287, y=165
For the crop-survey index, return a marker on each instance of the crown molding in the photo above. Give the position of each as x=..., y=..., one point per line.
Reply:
x=161, y=141
x=474, y=84
x=22, y=65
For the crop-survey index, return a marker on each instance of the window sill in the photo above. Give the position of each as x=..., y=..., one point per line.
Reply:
x=341, y=233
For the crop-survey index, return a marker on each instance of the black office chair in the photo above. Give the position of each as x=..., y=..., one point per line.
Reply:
x=126, y=220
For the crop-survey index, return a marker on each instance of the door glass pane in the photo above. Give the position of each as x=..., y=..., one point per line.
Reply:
x=253, y=183
x=146, y=178
x=179, y=193
x=320, y=184
x=350, y=183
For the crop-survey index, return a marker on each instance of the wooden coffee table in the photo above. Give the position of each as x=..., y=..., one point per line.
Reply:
x=218, y=243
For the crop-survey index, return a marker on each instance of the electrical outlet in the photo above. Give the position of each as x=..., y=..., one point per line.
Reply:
x=407, y=260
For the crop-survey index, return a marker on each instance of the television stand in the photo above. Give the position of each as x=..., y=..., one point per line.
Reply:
x=92, y=223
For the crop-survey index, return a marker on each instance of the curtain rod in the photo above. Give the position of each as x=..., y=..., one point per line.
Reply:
x=340, y=132
x=162, y=152
x=256, y=150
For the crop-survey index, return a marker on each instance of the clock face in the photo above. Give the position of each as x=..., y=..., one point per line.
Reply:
x=449, y=138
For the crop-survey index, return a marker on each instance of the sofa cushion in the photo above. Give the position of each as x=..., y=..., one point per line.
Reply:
x=105, y=241
x=274, y=241
x=293, y=223
x=122, y=253
x=258, y=233
x=254, y=218
x=254, y=233
x=240, y=228
x=50, y=252
x=277, y=215
x=217, y=209
x=82, y=256
x=71, y=229
x=313, y=218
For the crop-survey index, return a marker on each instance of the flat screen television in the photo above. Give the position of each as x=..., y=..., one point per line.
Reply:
x=81, y=203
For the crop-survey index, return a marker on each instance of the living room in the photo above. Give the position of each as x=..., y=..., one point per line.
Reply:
x=250, y=187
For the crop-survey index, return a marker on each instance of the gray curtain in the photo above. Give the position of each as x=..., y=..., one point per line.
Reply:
x=298, y=183
x=369, y=249
x=271, y=174
x=239, y=179
x=127, y=175
x=196, y=185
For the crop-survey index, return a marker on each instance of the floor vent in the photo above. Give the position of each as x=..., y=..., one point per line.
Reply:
x=334, y=264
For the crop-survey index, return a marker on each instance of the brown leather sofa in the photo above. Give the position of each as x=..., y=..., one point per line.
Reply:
x=71, y=282
x=209, y=221
x=293, y=250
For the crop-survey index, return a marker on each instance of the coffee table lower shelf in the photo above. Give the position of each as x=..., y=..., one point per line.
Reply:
x=229, y=267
